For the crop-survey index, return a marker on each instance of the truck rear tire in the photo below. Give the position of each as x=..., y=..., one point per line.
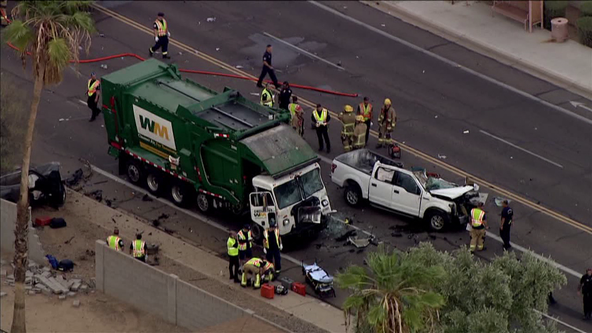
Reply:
x=154, y=181
x=437, y=220
x=180, y=194
x=134, y=172
x=353, y=195
x=204, y=204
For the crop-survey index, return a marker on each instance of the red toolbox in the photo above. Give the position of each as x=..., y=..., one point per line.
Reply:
x=299, y=288
x=42, y=221
x=267, y=291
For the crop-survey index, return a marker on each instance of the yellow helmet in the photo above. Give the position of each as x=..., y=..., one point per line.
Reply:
x=348, y=108
x=387, y=102
x=360, y=118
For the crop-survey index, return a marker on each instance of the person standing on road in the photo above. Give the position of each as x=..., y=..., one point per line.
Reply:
x=114, y=241
x=233, y=261
x=478, y=224
x=365, y=110
x=93, y=92
x=268, y=69
x=161, y=36
x=360, y=131
x=348, y=119
x=266, y=97
x=138, y=248
x=321, y=117
x=284, y=96
x=585, y=290
x=273, y=245
x=386, y=123
x=245, y=244
x=506, y=224
x=297, y=114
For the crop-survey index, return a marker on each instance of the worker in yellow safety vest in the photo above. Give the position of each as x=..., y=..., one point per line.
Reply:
x=266, y=96
x=273, y=245
x=161, y=36
x=93, y=88
x=138, y=248
x=359, y=139
x=478, y=225
x=348, y=118
x=386, y=123
x=321, y=117
x=365, y=110
x=114, y=241
x=252, y=271
x=233, y=262
x=297, y=113
x=245, y=244
x=268, y=272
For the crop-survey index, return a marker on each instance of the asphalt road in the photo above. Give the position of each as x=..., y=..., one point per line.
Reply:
x=459, y=101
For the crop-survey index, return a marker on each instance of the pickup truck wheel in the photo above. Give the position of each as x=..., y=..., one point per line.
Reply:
x=180, y=194
x=437, y=220
x=203, y=203
x=353, y=195
x=134, y=171
x=154, y=182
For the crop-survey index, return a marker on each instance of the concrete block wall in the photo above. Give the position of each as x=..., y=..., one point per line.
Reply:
x=154, y=291
x=7, y=224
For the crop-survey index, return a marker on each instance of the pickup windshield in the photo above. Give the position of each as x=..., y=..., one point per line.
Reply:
x=298, y=189
x=431, y=183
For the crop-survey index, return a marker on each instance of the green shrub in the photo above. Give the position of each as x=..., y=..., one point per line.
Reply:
x=586, y=9
x=553, y=9
x=584, y=25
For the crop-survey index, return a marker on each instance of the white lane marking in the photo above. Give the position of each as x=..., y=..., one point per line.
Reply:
x=559, y=321
x=452, y=63
x=580, y=105
x=82, y=102
x=303, y=51
x=522, y=149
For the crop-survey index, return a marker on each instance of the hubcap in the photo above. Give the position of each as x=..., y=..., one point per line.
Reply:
x=177, y=193
x=152, y=182
x=202, y=202
x=133, y=173
x=352, y=197
x=437, y=222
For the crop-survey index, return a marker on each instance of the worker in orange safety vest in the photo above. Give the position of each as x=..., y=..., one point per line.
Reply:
x=365, y=110
x=161, y=36
x=114, y=241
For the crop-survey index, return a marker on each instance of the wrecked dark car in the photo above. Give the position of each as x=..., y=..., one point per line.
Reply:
x=45, y=186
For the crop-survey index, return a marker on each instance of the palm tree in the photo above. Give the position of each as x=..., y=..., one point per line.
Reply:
x=393, y=295
x=51, y=33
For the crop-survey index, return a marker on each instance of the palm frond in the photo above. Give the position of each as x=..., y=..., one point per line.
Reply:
x=19, y=34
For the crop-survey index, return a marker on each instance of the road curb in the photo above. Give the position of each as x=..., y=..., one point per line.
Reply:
x=480, y=47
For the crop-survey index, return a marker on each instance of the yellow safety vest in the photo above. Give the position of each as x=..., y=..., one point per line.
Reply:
x=322, y=118
x=92, y=88
x=477, y=217
x=267, y=266
x=162, y=27
x=244, y=240
x=255, y=262
x=366, y=110
x=113, y=242
x=138, y=248
x=232, y=250
x=267, y=101
x=292, y=107
x=266, y=236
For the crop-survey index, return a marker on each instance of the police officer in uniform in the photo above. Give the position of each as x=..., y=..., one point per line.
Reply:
x=348, y=119
x=284, y=96
x=585, y=290
x=161, y=36
x=386, y=123
x=360, y=131
x=138, y=248
x=93, y=91
x=506, y=224
x=268, y=69
x=365, y=110
x=114, y=241
x=320, y=118
x=266, y=97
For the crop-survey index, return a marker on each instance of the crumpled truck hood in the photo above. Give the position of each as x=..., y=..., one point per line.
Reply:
x=452, y=193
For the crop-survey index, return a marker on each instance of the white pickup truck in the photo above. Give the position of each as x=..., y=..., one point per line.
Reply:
x=386, y=184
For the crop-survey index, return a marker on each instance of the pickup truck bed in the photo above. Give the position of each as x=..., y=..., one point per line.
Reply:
x=364, y=160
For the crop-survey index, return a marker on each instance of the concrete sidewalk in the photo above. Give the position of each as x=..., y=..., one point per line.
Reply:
x=309, y=309
x=471, y=24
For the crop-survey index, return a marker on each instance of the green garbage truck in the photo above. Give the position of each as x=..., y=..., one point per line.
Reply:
x=213, y=150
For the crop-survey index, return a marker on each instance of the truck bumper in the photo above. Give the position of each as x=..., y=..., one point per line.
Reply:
x=309, y=229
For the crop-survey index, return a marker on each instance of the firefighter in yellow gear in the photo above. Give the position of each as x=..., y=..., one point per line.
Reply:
x=359, y=138
x=266, y=96
x=254, y=269
x=478, y=225
x=386, y=122
x=114, y=241
x=268, y=272
x=348, y=118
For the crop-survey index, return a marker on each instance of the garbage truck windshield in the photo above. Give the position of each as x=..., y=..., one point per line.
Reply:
x=298, y=189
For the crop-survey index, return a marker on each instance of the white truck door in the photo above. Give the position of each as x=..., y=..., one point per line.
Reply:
x=381, y=186
x=406, y=194
x=261, y=207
